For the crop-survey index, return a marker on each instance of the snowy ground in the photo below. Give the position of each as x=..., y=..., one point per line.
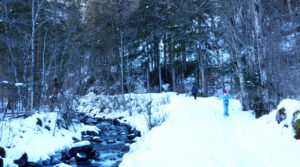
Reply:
x=196, y=134
x=25, y=135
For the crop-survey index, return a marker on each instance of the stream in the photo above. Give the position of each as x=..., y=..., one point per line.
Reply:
x=104, y=148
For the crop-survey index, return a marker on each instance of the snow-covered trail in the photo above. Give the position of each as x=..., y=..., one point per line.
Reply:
x=196, y=134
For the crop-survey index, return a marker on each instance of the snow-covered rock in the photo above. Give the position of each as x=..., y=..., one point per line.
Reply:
x=81, y=144
x=62, y=165
x=286, y=114
x=81, y=156
x=92, y=132
x=97, y=139
x=280, y=115
x=83, y=147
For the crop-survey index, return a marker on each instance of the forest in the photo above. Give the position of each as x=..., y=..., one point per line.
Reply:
x=54, y=51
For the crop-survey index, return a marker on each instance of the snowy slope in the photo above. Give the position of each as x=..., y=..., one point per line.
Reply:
x=196, y=134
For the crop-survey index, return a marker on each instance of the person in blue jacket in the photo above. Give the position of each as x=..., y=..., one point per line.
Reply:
x=194, y=91
x=225, y=97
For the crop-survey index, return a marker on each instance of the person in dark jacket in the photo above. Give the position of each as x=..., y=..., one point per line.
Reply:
x=194, y=91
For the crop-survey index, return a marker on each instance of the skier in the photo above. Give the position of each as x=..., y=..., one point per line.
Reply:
x=225, y=97
x=194, y=91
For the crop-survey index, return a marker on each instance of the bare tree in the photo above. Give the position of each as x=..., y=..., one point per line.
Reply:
x=232, y=22
x=36, y=6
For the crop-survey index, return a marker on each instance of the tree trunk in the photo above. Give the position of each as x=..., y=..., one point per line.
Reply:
x=181, y=54
x=244, y=100
x=230, y=35
x=173, y=79
x=129, y=77
x=172, y=55
x=63, y=54
x=261, y=52
x=34, y=16
x=215, y=43
x=25, y=97
x=32, y=55
x=232, y=23
x=202, y=69
x=240, y=72
x=173, y=74
x=157, y=56
x=159, y=75
x=43, y=96
x=165, y=56
x=121, y=65
x=147, y=69
x=198, y=66
x=148, y=78
x=10, y=52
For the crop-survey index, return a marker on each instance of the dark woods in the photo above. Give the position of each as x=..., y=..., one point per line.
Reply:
x=59, y=49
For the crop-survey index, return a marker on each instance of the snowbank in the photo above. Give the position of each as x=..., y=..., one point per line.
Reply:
x=284, y=127
x=34, y=135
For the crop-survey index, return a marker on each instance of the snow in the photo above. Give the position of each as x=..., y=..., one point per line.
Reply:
x=62, y=165
x=90, y=104
x=81, y=155
x=5, y=82
x=19, y=84
x=24, y=135
x=165, y=87
x=16, y=84
x=290, y=107
x=196, y=134
x=189, y=133
x=82, y=143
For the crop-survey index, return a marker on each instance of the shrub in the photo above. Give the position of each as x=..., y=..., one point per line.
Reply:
x=59, y=123
x=296, y=113
x=259, y=110
x=295, y=117
x=150, y=109
x=297, y=128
